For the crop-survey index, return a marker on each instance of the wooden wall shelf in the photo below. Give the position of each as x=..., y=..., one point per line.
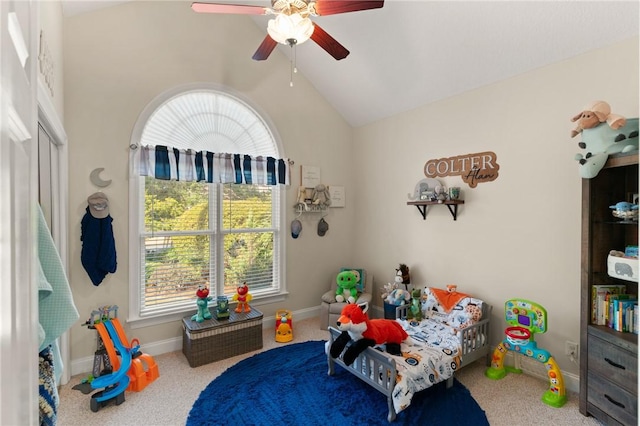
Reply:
x=452, y=205
x=310, y=208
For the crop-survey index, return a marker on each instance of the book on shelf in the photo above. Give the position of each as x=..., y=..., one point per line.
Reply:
x=617, y=306
x=599, y=296
x=625, y=315
x=626, y=309
x=636, y=319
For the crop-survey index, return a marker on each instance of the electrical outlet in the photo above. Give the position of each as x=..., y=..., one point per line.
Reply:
x=571, y=349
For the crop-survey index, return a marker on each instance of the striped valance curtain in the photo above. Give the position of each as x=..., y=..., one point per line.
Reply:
x=167, y=163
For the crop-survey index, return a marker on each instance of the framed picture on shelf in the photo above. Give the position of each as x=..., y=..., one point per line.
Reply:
x=337, y=196
x=309, y=176
x=427, y=195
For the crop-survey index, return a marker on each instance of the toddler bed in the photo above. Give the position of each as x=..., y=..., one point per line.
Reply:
x=453, y=334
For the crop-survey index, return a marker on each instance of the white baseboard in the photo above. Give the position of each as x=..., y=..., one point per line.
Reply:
x=85, y=365
x=536, y=369
x=528, y=365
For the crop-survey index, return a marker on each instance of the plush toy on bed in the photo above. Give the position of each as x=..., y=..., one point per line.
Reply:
x=404, y=273
x=390, y=287
x=415, y=311
x=357, y=328
x=387, y=289
x=398, y=297
x=347, y=289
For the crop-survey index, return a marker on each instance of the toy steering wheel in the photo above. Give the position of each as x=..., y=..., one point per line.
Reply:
x=518, y=335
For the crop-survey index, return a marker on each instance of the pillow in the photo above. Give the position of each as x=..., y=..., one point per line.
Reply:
x=360, y=283
x=466, y=312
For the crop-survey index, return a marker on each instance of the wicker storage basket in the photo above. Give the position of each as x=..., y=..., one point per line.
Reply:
x=213, y=340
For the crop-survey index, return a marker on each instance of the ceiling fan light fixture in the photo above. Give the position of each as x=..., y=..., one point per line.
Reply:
x=285, y=28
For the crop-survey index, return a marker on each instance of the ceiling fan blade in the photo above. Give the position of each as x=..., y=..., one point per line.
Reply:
x=328, y=43
x=228, y=8
x=332, y=7
x=265, y=49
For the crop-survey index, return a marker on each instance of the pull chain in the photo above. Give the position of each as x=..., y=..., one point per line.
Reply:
x=292, y=43
x=291, y=71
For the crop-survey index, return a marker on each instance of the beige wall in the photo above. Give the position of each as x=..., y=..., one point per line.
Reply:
x=116, y=61
x=518, y=236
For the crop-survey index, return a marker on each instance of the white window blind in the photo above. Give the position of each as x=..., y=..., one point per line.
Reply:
x=194, y=233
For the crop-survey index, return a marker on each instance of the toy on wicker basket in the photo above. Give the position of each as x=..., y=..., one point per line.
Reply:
x=203, y=304
x=243, y=297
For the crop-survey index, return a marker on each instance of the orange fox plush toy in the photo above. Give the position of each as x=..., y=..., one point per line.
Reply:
x=356, y=325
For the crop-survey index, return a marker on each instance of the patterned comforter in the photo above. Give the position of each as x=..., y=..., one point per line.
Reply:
x=430, y=355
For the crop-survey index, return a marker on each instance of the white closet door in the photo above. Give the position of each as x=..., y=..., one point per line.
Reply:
x=18, y=198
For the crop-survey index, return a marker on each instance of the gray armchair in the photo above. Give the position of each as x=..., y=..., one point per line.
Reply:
x=330, y=309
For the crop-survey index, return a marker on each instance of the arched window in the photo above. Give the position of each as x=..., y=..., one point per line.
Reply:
x=205, y=211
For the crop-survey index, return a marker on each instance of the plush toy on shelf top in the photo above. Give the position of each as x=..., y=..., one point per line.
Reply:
x=321, y=196
x=595, y=113
x=603, y=134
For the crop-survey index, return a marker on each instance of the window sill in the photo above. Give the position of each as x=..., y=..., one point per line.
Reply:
x=163, y=318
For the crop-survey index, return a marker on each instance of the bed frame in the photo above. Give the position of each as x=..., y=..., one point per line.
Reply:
x=474, y=341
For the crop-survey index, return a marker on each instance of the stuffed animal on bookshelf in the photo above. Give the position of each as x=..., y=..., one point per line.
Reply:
x=347, y=290
x=595, y=113
x=203, y=304
x=603, y=134
x=357, y=328
x=243, y=297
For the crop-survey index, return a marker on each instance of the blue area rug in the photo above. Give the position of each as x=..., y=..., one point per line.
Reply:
x=290, y=386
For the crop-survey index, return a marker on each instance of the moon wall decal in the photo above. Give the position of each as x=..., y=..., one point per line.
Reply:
x=96, y=180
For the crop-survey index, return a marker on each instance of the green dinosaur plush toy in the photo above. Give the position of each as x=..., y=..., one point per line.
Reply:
x=415, y=310
x=347, y=281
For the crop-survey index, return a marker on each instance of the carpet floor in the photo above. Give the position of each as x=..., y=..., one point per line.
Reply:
x=514, y=400
x=290, y=386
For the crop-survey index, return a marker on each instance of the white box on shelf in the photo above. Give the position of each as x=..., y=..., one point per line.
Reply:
x=624, y=268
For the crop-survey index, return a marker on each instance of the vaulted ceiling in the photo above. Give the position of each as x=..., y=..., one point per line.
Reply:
x=414, y=52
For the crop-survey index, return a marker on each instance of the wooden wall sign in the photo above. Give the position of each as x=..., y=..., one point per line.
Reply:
x=473, y=168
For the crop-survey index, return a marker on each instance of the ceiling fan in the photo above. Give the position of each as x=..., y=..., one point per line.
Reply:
x=292, y=25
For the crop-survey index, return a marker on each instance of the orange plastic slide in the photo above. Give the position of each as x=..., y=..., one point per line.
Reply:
x=139, y=376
